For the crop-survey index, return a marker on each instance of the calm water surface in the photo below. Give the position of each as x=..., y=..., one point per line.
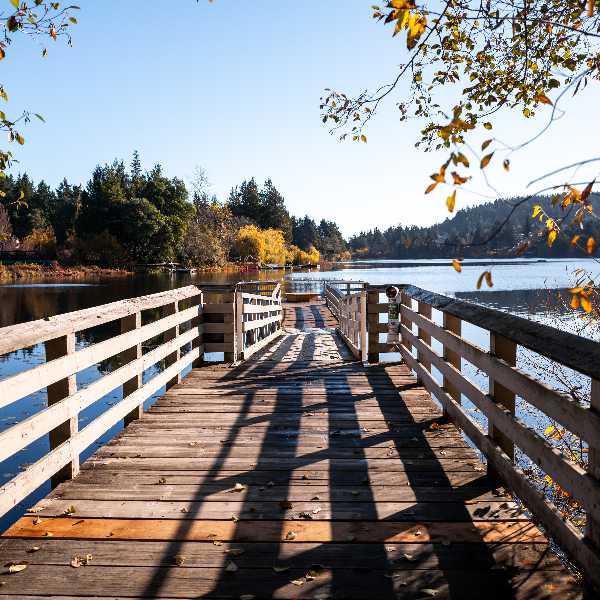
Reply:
x=516, y=285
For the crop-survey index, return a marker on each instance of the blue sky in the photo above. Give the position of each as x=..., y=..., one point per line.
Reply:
x=234, y=86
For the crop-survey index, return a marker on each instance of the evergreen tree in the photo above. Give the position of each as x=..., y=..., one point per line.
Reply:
x=274, y=215
x=305, y=233
x=527, y=227
x=479, y=235
x=247, y=201
x=136, y=175
x=67, y=201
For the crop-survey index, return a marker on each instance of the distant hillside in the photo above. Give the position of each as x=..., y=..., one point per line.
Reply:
x=468, y=218
x=474, y=225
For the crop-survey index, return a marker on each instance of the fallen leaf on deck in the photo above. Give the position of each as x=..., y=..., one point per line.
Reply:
x=446, y=541
x=552, y=587
x=305, y=515
x=280, y=569
x=193, y=443
x=262, y=489
x=317, y=511
x=470, y=501
x=316, y=498
x=77, y=562
x=311, y=575
x=217, y=543
x=391, y=548
x=48, y=534
x=528, y=562
x=410, y=462
x=297, y=582
x=231, y=567
x=246, y=597
x=179, y=560
x=36, y=509
x=235, y=551
x=235, y=519
x=33, y=549
x=3, y=582
x=88, y=559
x=16, y=568
x=78, y=522
x=415, y=439
x=478, y=468
x=270, y=483
x=417, y=532
x=286, y=504
x=443, y=453
x=222, y=442
x=392, y=575
x=410, y=512
x=239, y=487
x=291, y=535
x=428, y=592
x=410, y=557
x=405, y=445
x=185, y=510
x=473, y=529
x=305, y=476
x=252, y=508
x=366, y=480
x=350, y=538
x=434, y=426
x=357, y=451
x=364, y=526
x=162, y=480
x=212, y=535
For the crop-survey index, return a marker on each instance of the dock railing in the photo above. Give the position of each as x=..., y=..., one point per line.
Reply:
x=258, y=317
x=506, y=382
x=179, y=326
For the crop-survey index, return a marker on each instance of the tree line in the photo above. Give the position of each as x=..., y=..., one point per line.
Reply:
x=124, y=217
x=482, y=227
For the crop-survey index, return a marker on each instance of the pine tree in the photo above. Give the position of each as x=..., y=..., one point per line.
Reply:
x=274, y=215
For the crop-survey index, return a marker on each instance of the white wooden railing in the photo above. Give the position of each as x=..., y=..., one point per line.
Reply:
x=506, y=381
x=63, y=362
x=258, y=317
x=352, y=317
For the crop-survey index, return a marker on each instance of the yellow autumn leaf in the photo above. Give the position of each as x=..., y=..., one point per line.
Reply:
x=543, y=99
x=456, y=265
x=485, y=144
x=573, y=241
x=506, y=165
x=407, y=244
x=575, y=301
x=523, y=247
x=431, y=187
x=551, y=237
x=536, y=211
x=434, y=426
x=486, y=160
x=586, y=304
x=591, y=244
x=480, y=280
x=450, y=201
x=488, y=278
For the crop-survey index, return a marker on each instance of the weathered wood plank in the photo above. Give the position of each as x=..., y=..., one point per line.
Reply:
x=274, y=531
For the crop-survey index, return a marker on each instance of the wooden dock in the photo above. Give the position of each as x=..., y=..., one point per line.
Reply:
x=299, y=473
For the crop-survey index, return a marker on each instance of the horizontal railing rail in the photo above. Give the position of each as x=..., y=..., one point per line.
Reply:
x=63, y=362
x=506, y=381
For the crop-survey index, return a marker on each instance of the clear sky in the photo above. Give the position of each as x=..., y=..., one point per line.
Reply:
x=234, y=86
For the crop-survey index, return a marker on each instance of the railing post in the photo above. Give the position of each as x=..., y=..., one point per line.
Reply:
x=592, y=526
x=424, y=311
x=373, y=324
x=170, y=334
x=453, y=325
x=363, y=326
x=198, y=322
x=406, y=301
x=506, y=349
x=229, y=298
x=239, y=324
x=57, y=348
x=131, y=323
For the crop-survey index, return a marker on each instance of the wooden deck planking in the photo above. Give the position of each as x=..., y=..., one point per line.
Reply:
x=387, y=486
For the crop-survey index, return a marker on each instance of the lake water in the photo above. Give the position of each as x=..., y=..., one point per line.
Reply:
x=516, y=285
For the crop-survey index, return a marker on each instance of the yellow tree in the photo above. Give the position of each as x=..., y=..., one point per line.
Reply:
x=250, y=243
x=276, y=250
